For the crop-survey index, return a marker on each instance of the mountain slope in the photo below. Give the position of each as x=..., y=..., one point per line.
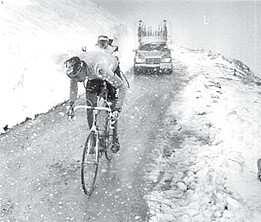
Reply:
x=36, y=38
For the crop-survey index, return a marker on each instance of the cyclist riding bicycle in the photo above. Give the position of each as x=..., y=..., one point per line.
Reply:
x=96, y=67
x=105, y=43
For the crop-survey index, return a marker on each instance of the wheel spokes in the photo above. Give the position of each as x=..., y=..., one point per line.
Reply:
x=89, y=165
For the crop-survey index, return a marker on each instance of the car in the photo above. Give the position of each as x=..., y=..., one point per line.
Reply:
x=153, y=54
x=153, y=57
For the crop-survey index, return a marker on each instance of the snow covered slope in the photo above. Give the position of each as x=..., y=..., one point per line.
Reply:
x=209, y=144
x=36, y=37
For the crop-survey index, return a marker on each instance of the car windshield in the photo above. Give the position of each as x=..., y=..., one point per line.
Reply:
x=153, y=46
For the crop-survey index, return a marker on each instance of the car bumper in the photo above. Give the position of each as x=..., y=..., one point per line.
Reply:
x=153, y=68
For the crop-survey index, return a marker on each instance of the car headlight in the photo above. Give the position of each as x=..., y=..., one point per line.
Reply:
x=140, y=60
x=165, y=59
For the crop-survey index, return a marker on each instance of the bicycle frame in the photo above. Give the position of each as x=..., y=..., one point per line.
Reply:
x=95, y=133
x=95, y=114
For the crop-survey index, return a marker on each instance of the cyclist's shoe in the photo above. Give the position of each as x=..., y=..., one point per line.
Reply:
x=116, y=146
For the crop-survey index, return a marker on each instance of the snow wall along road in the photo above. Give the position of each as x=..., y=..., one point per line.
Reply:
x=36, y=38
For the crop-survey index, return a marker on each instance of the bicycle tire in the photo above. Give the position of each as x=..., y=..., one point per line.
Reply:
x=89, y=165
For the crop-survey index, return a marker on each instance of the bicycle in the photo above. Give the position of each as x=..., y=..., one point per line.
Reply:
x=99, y=141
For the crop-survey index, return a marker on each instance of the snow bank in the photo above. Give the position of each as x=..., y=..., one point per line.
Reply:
x=36, y=38
x=206, y=167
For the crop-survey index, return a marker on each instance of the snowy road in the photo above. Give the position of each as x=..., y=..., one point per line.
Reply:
x=40, y=162
x=185, y=142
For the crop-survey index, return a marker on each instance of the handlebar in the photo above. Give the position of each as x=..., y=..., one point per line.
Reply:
x=92, y=108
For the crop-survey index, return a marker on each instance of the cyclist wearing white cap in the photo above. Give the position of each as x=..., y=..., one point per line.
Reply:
x=105, y=43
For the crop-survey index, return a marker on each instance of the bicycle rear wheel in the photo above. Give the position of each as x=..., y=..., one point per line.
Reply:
x=90, y=163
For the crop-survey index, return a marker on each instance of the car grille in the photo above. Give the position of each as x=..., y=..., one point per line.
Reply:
x=153, y=60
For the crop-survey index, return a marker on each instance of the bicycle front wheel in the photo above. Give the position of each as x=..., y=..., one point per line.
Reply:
x=90, y=163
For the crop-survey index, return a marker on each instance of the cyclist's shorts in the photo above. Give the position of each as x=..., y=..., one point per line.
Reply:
x=96, y=85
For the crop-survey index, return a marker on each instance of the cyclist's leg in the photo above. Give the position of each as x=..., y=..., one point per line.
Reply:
x=116, y=144
x=92, y=97
x=118, y=71
x=93, y=88
x=113, y=98
x=115, y=125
